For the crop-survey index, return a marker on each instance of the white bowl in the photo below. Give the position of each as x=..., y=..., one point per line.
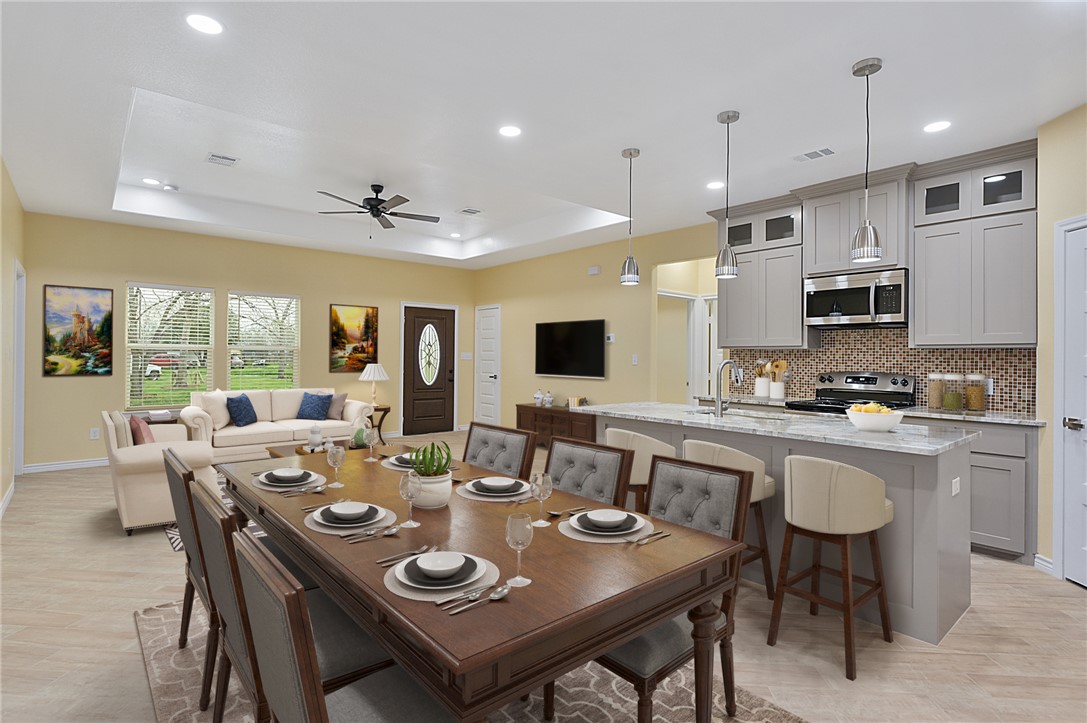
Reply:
x=349, y=510
x=440, y=564
x=874, y=421
x=288, y=472
x=495, y=483
x=606, y=518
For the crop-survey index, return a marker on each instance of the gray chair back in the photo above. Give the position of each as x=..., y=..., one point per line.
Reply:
x=506, y=451
x=590, y=470
x=178, y=476
x=282, y=636
x=703, y=496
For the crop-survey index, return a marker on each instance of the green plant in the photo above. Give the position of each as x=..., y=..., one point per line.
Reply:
x=360, y=437
x=431, y=460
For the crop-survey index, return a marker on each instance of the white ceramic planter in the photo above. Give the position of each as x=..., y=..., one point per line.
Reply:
x=436, y=491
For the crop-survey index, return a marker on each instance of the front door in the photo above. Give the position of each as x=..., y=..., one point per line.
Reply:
x=430, y=364
x=1073, y=418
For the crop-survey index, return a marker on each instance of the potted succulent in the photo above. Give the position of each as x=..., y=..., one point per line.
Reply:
x=430, y=463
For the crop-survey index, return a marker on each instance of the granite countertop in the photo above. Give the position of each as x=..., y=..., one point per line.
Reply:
x=829, y=429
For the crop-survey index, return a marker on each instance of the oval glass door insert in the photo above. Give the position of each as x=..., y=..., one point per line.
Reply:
x=429, y=354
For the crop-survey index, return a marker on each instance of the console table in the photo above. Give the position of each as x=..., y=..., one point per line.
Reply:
x=548, y=422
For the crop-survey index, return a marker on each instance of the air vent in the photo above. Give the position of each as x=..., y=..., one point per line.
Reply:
x=221, y=160
x=812, y=155
x=470, y=211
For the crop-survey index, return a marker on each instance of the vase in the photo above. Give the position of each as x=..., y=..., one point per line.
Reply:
x=762, y=386
x=436, y=491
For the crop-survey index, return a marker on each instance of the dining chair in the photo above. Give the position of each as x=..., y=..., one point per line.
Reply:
x=506, y=451
x=178, y=477
x=590, y=470
x=345, y=652
x=711, y=499
x=644, y=448
x=291, y=666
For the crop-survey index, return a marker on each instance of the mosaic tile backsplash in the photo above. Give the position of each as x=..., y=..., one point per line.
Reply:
x=887, y=350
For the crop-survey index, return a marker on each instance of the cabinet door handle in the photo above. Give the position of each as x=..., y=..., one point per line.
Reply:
x=1073, y=423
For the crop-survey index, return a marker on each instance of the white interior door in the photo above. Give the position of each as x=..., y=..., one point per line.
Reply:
x=1074, y=414
x=488, y=403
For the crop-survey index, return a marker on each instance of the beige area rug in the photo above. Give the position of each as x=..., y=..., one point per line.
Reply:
x=588, y=695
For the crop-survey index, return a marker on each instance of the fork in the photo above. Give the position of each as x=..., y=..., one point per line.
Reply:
x=313, y=508
x=645, y=538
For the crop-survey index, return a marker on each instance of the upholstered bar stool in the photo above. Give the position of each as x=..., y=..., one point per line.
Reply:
x=762, y=487
x=833, y=502
x=644, y=448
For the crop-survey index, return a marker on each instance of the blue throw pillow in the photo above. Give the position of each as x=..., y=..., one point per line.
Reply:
x=314, y=406
x=241, y=410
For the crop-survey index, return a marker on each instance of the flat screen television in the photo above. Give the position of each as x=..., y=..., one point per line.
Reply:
x=570, y=349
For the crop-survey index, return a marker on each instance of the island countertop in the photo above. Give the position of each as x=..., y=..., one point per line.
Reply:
x=905, y=438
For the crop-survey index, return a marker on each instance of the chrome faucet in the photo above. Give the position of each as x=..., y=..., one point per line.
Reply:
x=737, y=378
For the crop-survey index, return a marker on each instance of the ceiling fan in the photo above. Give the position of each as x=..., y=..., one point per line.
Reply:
x=379, y=208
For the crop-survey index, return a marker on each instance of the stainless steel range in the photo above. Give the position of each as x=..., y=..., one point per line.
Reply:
x=835, y=391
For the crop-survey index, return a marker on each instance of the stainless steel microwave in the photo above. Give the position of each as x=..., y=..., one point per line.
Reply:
x=877, y=297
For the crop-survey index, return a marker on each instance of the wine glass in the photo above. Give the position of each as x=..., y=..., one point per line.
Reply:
x=370, y=437
x=518, y=536
x=410, y=488
x=540, y=488
x=335, y=457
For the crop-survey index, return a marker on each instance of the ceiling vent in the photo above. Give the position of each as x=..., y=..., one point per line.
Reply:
x=470, y=211
x=221, y=160
x=812, y=155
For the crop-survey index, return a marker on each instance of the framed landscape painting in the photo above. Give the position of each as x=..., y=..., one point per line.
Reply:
x=352, y=337
x=78, y=331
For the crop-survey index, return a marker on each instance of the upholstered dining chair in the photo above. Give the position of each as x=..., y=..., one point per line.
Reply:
x=290, y=665
x=708, y=498
x=590, y=470
x=644, y=447
x=345, y=652
x=506, y=451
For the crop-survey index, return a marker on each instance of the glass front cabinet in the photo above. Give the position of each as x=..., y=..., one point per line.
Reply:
x=757, y=232
x=999, y=188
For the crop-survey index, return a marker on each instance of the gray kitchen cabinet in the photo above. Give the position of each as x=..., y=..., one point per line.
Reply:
x=997, y=493
x=942, y=309
x=831, y=221
x=762, y=307
x=756, y=232
x=941, y=199
x=737, y=318
x=826, y=224
x=1003, y=187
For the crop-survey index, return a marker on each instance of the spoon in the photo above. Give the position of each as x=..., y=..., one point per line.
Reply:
x=471, y=597
x=387, y=533
x=308, y=490
x=496, y=595
x=365, y=533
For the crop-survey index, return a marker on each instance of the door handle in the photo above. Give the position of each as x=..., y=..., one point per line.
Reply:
x=872, y=299
x=493, y=376
x=1073, y=423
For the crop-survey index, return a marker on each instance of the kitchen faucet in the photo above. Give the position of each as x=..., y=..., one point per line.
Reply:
x=737, y=378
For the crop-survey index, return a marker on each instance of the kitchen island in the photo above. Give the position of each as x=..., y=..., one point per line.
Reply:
x=925, y=550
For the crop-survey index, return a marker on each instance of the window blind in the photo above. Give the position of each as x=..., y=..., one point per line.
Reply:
x=264, y=339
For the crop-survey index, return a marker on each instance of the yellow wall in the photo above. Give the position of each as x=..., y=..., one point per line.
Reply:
x=11, y=250
x=1062, y=194
x=672, y=350
x=61, y=410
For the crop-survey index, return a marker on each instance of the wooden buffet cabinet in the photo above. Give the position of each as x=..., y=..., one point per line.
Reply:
x=548, y=422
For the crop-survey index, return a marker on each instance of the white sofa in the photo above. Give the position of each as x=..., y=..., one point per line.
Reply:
x=276, y=424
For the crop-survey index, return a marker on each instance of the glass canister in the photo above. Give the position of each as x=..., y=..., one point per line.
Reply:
x=936, y=391
x=953, y=391
x=975, y=392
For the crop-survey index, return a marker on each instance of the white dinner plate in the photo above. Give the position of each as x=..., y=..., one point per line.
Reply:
x=639, y=524
x=481, y=568
x=481, y=490
x=381, y=512
x=303, y=480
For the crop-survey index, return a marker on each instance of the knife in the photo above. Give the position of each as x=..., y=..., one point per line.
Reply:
x=655, y=538
x=466, y=593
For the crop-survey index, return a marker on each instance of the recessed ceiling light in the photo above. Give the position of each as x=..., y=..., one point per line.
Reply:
x=714, y=185
x=204, y=24
x=169, y=187
x=454, y=235
x=510, y=131
x=151, y=181
x=994, y=179
x=937, y=126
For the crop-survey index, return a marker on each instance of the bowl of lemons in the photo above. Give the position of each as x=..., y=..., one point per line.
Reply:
x=873, y=417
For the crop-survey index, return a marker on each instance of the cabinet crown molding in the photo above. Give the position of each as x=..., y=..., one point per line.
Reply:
x=1000, y=154
x=903, y=172
x=749, y=209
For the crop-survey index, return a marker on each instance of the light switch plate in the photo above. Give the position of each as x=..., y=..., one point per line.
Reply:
x=956, y=486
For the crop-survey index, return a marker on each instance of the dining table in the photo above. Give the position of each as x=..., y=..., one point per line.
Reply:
x=584, y=599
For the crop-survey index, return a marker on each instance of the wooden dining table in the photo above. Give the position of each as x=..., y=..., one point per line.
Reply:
x=584, y=600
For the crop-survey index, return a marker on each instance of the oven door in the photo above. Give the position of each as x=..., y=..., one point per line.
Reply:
x=865, y=298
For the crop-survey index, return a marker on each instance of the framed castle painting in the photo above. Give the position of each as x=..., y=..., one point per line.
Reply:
x=352, y=337
x=78, y=331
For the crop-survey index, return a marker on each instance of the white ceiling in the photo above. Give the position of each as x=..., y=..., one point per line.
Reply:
x=337, y=96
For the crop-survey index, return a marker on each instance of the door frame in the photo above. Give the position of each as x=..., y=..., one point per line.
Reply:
x=475, y=364
x=1061, y=230
x=404, y=360
x=18, y=432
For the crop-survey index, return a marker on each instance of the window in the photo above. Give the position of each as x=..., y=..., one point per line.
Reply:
x=263, y=336
x=168, y=344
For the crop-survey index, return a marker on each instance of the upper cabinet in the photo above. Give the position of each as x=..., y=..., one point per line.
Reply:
x=830, y=222
x=986, y=191
x=775, y=228
x=763, y=306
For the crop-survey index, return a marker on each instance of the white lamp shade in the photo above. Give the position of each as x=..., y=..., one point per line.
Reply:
x=374, y=373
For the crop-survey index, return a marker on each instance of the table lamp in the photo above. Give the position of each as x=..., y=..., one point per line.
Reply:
x=374, y=373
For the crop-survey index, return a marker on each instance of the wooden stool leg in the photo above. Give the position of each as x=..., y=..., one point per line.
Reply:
x=186, y=612
x=847, y=608
x=877, y=569
x=549, y=700
x=816, y=572
x=779, y=593
x=767, y=573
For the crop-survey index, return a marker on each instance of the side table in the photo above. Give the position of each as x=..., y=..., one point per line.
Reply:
x=384, y=409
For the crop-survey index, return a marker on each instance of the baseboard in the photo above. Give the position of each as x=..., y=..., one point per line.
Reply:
x=71, y=464
x=392, y=434
x=1045, y=565
x=462, y=428
x=7, y=498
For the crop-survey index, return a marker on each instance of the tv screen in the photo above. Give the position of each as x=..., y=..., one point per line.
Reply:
x=570, y=348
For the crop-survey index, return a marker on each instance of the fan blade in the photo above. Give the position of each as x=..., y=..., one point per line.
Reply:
x=341, y=211
x=415, y=216
x=341, y=198
x=394, y=202
x=385, y=223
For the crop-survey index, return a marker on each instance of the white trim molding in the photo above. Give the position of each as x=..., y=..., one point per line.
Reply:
x=1045, y=565
x=7, y=499
x=70, y=464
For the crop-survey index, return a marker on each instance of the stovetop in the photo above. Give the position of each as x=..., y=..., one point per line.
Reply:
x=836, y=391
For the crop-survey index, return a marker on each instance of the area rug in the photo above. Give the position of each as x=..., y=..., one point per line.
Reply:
x=588, y=695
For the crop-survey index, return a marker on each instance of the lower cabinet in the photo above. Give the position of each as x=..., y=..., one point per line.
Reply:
x=548, y=422
x=998, y=495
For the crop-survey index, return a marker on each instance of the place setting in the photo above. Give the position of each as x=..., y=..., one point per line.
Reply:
x=495, y=489
x=435, y=575
x=610, y=526
x=349, y=519
x=288, y=480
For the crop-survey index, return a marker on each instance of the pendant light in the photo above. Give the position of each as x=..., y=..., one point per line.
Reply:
x=629, y=276
x=866, y=247
x=727, y=268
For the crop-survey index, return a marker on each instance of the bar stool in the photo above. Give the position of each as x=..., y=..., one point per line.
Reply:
x=833, y=502
x=762, y=487
x=644, y=449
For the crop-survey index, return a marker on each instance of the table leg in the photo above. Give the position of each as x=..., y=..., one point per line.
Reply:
x=703, y=618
